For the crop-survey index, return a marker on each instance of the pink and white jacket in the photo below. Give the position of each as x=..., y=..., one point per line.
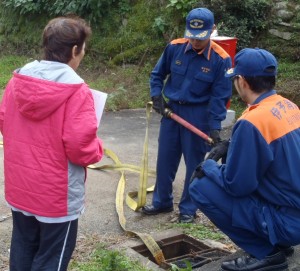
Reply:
x=49, y=128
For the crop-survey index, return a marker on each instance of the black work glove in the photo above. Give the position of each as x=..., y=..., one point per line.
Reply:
x=198, y=173
x=159, y=104
x=219, y=151
x=215, y=136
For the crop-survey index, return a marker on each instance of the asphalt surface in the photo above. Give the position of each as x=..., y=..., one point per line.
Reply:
x=122, y=132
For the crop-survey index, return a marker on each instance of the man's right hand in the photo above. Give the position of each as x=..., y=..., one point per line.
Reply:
x=159, y=104
x=219, y=151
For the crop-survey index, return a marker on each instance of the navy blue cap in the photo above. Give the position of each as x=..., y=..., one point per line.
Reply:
x=199, y=24
x=253, y=62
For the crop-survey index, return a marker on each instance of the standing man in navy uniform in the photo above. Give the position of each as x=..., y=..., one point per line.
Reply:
x=197, y=90
x=255, y=197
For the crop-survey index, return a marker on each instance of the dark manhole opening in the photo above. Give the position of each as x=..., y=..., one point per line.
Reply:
x=183, y=251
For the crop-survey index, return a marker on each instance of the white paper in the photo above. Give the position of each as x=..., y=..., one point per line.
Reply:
x=99, y=103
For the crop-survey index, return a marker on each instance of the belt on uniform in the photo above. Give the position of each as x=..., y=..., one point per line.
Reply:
x=180, y=102
x=187, y=103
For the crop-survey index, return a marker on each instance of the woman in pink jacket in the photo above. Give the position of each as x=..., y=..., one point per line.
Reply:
x=49, y=128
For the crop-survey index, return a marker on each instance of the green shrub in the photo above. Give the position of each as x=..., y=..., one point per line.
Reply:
x=244, y=19
x=121, y=29
x=93, y=10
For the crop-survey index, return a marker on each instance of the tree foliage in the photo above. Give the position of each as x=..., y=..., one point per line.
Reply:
x=93, y=10
x=244, y=19
x=129, y=31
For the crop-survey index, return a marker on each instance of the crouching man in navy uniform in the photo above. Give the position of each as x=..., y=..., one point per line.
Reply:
x=254, y=197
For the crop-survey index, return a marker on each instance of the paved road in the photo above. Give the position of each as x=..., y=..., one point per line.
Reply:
x=122, y=132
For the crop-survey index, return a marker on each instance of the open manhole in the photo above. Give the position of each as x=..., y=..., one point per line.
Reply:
x=183, y=251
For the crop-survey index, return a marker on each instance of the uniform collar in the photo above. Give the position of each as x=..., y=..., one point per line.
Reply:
x=264, y=95
x=205, y=52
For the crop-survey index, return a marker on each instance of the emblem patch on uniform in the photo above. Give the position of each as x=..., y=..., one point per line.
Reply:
x=205, y=69
x=230, y=71
x=178, y=62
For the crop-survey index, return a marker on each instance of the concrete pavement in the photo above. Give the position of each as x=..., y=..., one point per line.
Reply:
x=122, y=132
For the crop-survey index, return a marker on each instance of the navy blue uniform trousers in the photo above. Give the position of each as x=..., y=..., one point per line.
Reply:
x=37, y=246
x=173, y=142
x=254, y=225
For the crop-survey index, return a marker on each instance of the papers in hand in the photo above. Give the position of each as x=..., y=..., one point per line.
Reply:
x=99, y=102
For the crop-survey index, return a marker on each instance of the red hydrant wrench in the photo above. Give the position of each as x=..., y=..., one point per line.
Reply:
x=168, y=113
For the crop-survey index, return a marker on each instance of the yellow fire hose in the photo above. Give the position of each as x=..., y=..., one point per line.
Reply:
x=142, y=170
x=140, y=194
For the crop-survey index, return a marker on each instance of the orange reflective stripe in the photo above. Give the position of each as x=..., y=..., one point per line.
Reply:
x=280, y=117
x=219, y=50
x=179, y=41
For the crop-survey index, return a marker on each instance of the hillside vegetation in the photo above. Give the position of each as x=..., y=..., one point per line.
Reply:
x=129, y=36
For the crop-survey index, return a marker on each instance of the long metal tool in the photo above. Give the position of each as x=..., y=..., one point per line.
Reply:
x=168, y=113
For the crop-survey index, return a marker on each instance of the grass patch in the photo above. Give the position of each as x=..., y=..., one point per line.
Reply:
x=7, y=65
x=288, y=69
x=288, y=80
x=127, y=86
x=106, y=260
x=200, y=231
